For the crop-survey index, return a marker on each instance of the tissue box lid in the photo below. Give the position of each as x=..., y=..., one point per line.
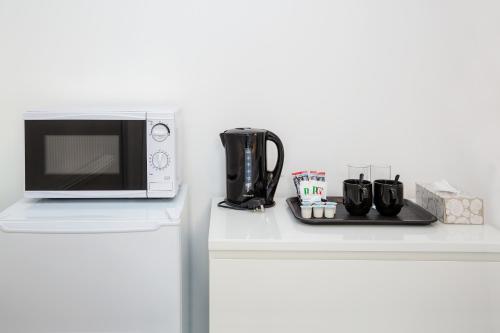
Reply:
x=445, y=195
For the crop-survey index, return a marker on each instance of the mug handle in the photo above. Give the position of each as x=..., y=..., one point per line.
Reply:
x=393, y=194
x=364, y=192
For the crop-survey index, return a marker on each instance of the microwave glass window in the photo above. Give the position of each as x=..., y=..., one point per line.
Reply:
x=82, y=154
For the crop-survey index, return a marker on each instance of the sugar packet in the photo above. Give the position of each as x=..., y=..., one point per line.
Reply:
x=318, y=184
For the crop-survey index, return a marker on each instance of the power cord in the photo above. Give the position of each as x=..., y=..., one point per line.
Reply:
x=255, y=204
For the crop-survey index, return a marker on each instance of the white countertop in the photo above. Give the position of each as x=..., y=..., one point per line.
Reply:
x=276, y=229
x=92, y=215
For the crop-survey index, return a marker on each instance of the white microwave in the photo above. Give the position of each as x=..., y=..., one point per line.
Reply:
x=102, y=153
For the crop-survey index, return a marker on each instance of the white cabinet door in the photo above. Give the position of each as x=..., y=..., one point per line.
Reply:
x=111, y=282
x=297, y=296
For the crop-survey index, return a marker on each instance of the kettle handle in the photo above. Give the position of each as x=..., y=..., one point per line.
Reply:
x=274, y=176
x=223, y=138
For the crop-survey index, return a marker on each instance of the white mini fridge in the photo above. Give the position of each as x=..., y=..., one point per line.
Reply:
x=111, y=265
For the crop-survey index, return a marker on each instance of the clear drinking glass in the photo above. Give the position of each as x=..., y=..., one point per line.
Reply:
x=354, y=170
x=380, y=172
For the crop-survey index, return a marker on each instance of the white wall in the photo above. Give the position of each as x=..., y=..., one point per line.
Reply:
x=413, y=83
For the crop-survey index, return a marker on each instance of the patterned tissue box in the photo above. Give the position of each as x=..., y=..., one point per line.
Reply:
x=450, y=207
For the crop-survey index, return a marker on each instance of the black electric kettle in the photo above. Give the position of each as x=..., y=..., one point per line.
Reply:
x=249, y=184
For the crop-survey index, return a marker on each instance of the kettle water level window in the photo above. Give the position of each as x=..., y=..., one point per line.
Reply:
x=248, y=169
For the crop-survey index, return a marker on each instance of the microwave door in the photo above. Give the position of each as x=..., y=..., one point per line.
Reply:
x=84, y=156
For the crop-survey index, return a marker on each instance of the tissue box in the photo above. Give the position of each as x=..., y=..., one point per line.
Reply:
x=450, y=207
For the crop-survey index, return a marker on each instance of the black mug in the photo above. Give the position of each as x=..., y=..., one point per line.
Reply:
x=358, y=196
x=389, y=197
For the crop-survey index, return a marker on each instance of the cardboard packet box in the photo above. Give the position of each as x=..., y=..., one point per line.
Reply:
x=450, y=207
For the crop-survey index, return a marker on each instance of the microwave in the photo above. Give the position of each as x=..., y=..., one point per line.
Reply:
x=102, y=153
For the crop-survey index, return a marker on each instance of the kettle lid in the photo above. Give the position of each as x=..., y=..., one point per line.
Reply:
x=244, y=131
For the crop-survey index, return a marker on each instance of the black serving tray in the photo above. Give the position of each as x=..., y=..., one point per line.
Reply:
x=411, y=214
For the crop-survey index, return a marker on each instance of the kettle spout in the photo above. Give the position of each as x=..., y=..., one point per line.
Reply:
x=223, y=139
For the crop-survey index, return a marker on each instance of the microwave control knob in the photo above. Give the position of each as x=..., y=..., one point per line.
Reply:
x=160, y=160
x=160, y=132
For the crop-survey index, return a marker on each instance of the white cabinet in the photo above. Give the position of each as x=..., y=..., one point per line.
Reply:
x=94, y=266
x=269, y=273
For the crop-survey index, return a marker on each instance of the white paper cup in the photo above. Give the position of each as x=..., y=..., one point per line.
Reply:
x=306, y=211
x=318, y=211
x=330, y=211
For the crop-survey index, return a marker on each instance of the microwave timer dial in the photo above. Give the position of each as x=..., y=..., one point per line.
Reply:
x=160, y=160
x=160, y=132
